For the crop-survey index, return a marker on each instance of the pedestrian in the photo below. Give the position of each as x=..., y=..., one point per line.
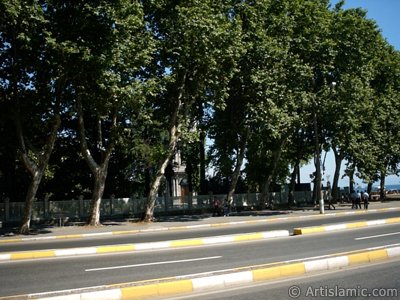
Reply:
x=365, y=197
x=226, y=208
x=329, y=196
x=330, y=202
x=358, y=201
x=216, y=207
x=354, y=196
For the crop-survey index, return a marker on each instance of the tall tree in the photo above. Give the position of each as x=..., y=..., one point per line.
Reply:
x=198, y=41
x=349, y=106
x=112, y=46
x=33, y=80
x=313, y=43
x=385, y=112
x=279, y=37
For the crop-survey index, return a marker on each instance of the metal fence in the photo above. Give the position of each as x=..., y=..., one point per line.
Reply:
x=130, y=207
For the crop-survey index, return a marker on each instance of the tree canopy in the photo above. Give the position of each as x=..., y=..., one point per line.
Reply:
x=97, y=96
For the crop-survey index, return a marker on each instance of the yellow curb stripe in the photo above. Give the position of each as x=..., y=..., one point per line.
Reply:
x=183, y=243
x=356, y=225
x=29, y=255
x=276, y=219
x=377, y=255
x=219, y=224
x=279, y=271
x=160, y=289
x=318, y=229
x=69, y=236
x=124, y=232
x=266, y=274
x=170, y=288
x=177, y=228
x=256, y=221
x=12, y=241
x=248, y=237
x=358, y=258
x=139, y=292
x=308, y=230
x=117, y=248
x=293, y=269
x=392, y=220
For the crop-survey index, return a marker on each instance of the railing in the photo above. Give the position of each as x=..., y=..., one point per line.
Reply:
x=114, y=207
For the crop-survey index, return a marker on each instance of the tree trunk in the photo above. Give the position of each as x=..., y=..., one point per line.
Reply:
x=351, y=179
x=203, y=183
x=36, y=170
x=155, y=185
x=369, y=188
x=236, y=172
x=264, y=198
x=292, y=184
x=152, y=196
x=174, y=134
x=97, y=195
x=335, y=184
x=382, y=194
x=99, y=170
x=29, y=199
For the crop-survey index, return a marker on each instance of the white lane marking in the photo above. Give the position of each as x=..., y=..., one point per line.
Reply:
x=376, y=236
x=154, y=263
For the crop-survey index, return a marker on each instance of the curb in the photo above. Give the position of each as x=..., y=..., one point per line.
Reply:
x=197, y=226
x=334, y=227
x=143, y=246
x=184, y=284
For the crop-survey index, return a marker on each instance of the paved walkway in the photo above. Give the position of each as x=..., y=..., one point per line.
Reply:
x=127, y=226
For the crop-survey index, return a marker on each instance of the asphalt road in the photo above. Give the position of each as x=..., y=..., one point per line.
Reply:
x=372, y=281
x=20, y=277
x=287, y=224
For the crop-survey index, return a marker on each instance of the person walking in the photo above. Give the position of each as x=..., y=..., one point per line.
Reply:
x=353, y=198
x=329, y=196
x=358, y=200
x=365, y=198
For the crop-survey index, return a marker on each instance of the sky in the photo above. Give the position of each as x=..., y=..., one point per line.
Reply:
x=386, y=14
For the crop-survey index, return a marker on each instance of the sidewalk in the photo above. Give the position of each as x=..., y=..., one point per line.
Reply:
x=130, y=226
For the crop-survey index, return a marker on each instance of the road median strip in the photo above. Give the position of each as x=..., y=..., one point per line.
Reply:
x=196, y=226
x=143, y=246
x=352, y=225
x=221, y=279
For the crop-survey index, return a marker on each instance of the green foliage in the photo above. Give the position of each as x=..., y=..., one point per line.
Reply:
x=252, y=72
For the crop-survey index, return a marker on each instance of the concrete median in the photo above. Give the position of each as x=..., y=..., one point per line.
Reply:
x=149, y=227
x=164, y=287
x=352, y=225
x=143, y=246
